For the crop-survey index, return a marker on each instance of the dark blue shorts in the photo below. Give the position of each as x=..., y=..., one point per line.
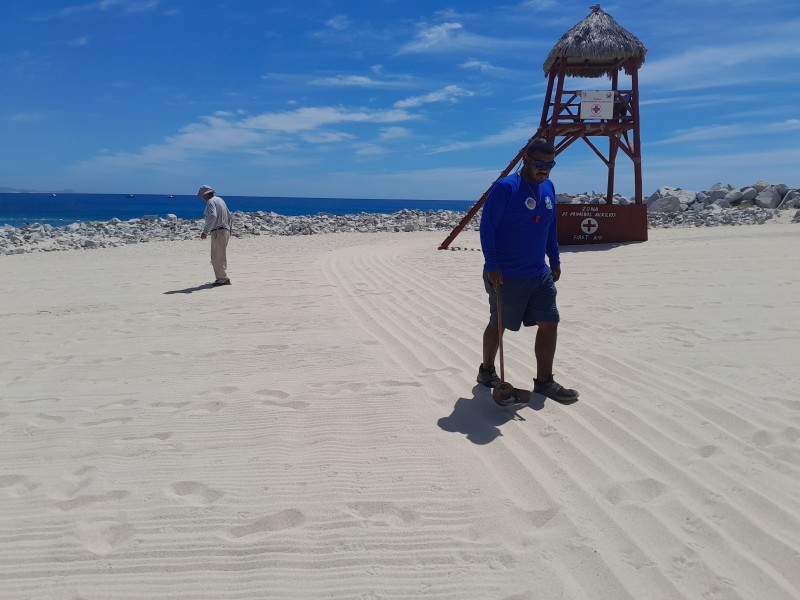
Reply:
x=525, y=301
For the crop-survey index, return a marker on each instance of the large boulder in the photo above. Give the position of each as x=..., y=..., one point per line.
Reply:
x=733, y=197
x=685, y=197
x=760, y=185
x=749, y=194
x=666, y=204
x=790, y=200
x=768, y=198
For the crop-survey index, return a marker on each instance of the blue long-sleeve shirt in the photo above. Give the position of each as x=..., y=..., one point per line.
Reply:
x=518, y=228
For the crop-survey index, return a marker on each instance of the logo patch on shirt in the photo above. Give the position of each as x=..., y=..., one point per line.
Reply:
x=548, y=203
x=530, y=203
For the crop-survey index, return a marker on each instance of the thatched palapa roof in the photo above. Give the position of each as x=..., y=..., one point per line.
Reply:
x=596, y=42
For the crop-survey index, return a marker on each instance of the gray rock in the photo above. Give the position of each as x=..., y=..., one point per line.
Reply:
x=768, y=198
x=790, y=200
x=760, y=185
x=666, y=204
x=749, y=194
x=719, y=194
x=734, y=196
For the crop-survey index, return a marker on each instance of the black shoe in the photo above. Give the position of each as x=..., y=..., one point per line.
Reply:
x=220, y=282
x=488, y=377
x=555, y=391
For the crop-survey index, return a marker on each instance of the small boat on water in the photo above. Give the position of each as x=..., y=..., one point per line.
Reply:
x=52, y=195
x=170, y=196
x=130, y=196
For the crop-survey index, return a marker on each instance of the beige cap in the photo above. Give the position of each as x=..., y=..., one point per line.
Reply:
x=205, y=189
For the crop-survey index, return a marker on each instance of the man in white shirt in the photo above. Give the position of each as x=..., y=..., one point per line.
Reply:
x=218, y=225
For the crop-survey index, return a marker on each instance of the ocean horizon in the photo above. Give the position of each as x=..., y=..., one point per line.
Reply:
x=17, y=209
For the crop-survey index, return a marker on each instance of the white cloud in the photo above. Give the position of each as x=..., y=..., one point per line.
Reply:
x=726, y=132
x=338, y=23
x=721, y=65
x=516, y=134
x=362, y=81
x=452, y=37
x=788, y=124
x=393, y=133
x=313, y=117
x=124, y=6
x=436, y=35
x=327, y=137
x=370, y=150
x=27, y=117
x=451, y=93
x=703, y=134
x=225, y=132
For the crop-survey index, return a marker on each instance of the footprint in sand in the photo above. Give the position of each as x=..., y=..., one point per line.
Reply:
x=105, y=360
x=384, y=513
x=171, y=406
x=273, y=347
x=108, y=422
x=108, y=497
x=273, y=393
x=193, y=493
x=449, y=370
x=765, y=438
x=393, y=383
x=208, y=407
x=43, y=420
x=119, y=403
x=103, y=537
x=635, y=492
x=281, y=395
x=223, y=389
x=16, y=485
x=707, y=451
x=35, y=400
x=284, y=519
x=146, y=439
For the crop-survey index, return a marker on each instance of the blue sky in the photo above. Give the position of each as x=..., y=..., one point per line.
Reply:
x=376, y=99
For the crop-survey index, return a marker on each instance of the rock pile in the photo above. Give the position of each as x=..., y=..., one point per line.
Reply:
x=667, y=207
x=37, y=237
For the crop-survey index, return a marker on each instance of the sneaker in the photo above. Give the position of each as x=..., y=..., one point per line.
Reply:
x=220, y=282
x=555, y=391
x=488, y=377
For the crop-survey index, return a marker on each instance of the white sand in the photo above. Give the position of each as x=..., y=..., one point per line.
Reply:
x=314, y=430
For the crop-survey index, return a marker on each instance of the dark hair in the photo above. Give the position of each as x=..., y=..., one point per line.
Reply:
x=540, y=146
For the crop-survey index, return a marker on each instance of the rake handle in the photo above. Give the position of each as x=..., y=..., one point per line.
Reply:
x=499, y=296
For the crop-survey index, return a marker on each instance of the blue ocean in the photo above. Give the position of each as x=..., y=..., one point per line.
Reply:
x=63, y=209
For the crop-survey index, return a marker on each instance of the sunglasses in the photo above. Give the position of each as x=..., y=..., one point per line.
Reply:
x=541, y=163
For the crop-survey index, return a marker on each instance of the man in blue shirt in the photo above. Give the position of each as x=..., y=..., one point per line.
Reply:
x=518, y=228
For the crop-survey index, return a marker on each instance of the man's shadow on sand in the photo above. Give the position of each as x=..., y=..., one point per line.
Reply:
x=479, y=418
x=205, y=286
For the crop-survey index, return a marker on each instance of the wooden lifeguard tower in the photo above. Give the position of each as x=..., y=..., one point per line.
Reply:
x=598, y=46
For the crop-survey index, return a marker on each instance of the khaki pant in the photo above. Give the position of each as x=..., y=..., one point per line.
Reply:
x=219, y=256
